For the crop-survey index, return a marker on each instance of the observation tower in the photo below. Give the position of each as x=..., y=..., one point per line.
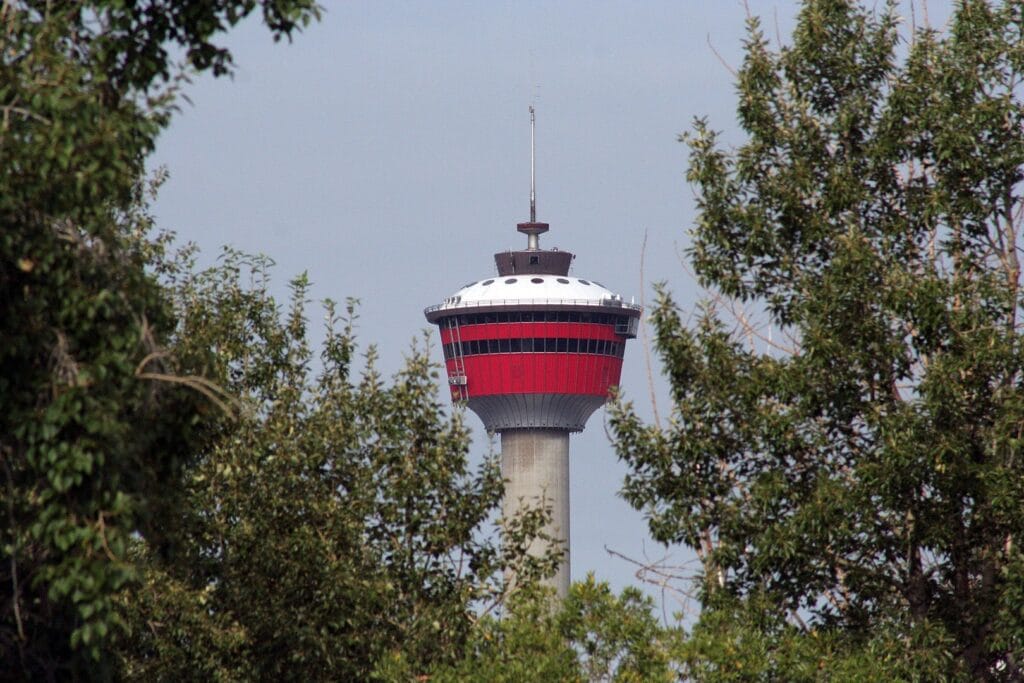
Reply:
x=534, y=351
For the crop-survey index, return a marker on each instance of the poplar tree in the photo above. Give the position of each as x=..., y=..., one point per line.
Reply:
x=96, y=418
x=188, y=490
x=334, y=524
x=855, y=494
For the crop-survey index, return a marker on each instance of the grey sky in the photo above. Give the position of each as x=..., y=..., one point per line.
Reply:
x=386, y=152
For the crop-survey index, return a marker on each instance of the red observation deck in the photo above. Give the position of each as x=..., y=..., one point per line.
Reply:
x=533, y=347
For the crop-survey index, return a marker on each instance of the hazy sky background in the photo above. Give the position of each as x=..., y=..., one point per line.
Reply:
x=386, y=153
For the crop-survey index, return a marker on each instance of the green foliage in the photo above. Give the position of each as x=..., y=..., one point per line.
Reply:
x=593, y=636
x=335, y=522
x=751, y=639
x=96, y=417
x=854, y=495
x=616, y=638
x=90, y=436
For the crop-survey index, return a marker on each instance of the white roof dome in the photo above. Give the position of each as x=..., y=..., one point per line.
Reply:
x=531, y=290
x=524, y=289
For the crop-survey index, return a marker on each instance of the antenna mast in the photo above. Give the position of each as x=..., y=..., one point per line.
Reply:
x=533, y=229
x=533, y=166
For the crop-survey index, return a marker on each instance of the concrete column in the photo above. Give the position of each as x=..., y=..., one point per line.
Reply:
x=535, y=465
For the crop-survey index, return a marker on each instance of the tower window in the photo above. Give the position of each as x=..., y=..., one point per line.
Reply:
x=535, y=345
x=534, y=260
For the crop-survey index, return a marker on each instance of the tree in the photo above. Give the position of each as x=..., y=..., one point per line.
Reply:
x=95, y=418
x=594, y=635
x=855, y=494
x=334, y=522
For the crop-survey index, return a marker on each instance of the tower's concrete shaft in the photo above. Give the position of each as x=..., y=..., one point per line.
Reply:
x=535, y=465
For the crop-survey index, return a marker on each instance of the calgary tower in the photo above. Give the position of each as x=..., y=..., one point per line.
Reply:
x=534, y=352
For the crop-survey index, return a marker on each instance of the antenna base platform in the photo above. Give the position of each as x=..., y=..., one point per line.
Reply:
x=533, y=262
x=533, y=228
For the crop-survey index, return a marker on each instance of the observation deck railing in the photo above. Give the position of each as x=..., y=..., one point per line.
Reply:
x=501, y=303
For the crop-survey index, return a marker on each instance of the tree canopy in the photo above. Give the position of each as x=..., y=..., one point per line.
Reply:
x=855, y=493
x=333, y=523
x=190, y=489
x=96, y=415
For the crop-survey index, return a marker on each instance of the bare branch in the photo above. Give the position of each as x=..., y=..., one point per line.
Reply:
x=721, y=60
x=15, y=588
x=644, y=339
x=666, y=577
x=200, y=384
